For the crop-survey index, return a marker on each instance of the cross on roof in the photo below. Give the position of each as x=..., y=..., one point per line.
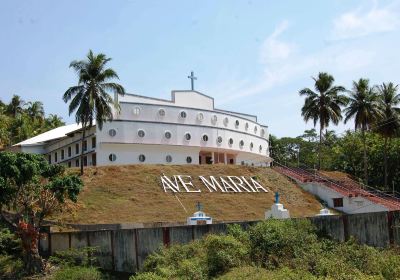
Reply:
x=199, y=206
x=192, y=78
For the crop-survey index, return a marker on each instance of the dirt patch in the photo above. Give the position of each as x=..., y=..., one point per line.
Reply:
x=134, y=194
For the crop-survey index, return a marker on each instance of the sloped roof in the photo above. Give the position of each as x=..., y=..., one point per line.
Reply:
x=55, y=133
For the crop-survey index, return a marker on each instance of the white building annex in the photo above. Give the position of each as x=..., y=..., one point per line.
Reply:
x=187, y=129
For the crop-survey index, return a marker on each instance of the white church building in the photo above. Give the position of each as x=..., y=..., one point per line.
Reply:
x=187, y=129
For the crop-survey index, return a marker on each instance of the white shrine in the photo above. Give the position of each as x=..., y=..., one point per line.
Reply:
x=277, y=210
x=199, y=217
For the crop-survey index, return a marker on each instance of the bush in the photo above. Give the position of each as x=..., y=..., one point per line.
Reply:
x=77, y=273
x=9, y=243
x=10, y=267
x=75, y=257
x=250, y=272
x=147, y=276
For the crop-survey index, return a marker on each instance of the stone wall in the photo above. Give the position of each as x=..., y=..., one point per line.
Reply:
x=125, y=250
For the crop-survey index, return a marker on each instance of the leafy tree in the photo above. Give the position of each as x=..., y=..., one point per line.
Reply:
x=91, y=97
x=324, y=105
x=35, y=111
x=364, y=108
x=53, y=121
x=33, y=189
x=389, y=123
x=15, y=107
x=310, y=135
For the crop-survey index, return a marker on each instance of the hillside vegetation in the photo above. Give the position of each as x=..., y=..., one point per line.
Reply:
x=134, y=194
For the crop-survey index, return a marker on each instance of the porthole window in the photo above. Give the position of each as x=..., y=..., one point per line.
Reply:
x=251, y=145
x=142, y=158
x=112, y=132
x=136, y=111
x=112, y=157
x=237, y=123
x=183, y=114
x=226, y=121
x=168, y=158
x=255, y=129
x=200, y=117
x=141, y=133
x=246, y=126
x=189, y=159
x=262, y=132
x=187, y=136
x=230, y=141
x=205, y=138
x=167, y=134
x=241, y=143
x=161, y=112
x=219, y=139
x=214, y=119
x=260, y=148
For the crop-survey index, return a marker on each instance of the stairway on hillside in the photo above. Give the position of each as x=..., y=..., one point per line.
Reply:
x=345, y=186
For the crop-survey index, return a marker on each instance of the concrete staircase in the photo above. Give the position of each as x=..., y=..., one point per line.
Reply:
x=346, y=186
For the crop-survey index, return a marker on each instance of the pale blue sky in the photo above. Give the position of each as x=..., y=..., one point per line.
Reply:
x=252, y=56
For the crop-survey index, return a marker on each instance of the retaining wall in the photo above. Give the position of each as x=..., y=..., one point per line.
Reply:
x=125, y=250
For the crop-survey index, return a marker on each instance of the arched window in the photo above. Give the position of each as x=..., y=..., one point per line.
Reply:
x=219, y=139
x=167, y=134
x=230, y=141
x=255, y=129
x=188, y=136
x=237, y=123
x=251, y=145
x=183, y=114
x=214, y=119
x=136, y=111
x=226, y=121
x=142, y=158
x=246, y=126
x=168, y=158
x=112, y=157
x=141, y=133
x=200, y=117
x=112, y=132
x=205, y=138
x=260, y=148
x=161, y=112
x=189, y=159
x=241, y=143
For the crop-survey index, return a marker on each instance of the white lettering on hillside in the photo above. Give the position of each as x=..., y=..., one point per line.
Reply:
x=225, y=184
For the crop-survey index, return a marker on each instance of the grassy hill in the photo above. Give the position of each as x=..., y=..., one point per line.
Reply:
x=134, y=194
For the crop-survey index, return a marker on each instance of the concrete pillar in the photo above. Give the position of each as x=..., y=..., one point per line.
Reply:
x=225, y=158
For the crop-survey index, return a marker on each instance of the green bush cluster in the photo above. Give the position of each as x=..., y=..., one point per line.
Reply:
x=273, y=249
x=77, y=273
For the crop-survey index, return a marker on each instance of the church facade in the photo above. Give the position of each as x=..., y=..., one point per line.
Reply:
x=187, y=129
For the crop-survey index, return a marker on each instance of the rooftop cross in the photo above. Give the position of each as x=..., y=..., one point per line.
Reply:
x=192, y=78
x=199, y=206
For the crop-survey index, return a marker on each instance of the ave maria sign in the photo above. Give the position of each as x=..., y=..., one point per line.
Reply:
x=225, y=184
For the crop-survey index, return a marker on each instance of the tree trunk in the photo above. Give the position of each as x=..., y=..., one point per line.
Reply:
x=29, y=235
x=365, y=157
x=319, y=147
x=385, y=162
x=83, y=139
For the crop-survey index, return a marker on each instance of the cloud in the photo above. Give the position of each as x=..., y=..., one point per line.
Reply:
x=359, y=23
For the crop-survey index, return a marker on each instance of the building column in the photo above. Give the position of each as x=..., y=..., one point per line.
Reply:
x=225, y=158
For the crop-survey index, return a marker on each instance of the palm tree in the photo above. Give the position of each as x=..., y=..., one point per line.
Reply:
x=15, y=107
x=91, y=97
x=35, y=111
x=53, y=121
x=324, y=105
x=389, y=123
x=364, y=108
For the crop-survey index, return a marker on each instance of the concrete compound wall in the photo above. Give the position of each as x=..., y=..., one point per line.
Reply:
x=125, y=250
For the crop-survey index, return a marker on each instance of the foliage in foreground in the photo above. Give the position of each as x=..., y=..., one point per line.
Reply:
x=77, y=273
x=272, y=249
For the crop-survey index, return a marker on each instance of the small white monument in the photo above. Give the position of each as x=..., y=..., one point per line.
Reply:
x=277, y=211
x=324, y=212
x=199, y=217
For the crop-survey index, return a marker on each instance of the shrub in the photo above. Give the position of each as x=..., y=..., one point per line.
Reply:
x=77, y=273
x=250, y=272
x=9, y=243
x=10, y=267
x=75, y=257
x=147, y=276
x=223, y=253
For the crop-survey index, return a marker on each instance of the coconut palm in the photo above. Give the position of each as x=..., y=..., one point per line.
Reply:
x=364, y=108
x=389, y=123
x=91, y=97
x=15, y=107
x=323, y=105
x=53, y=121
x=35, y=111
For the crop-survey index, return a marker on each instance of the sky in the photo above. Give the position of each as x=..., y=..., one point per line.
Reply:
x=252, y=56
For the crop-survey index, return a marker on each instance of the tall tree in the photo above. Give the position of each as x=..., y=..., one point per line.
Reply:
x=53, y=121
x=389, y=123
x=91, y=97
x=35, y=111
x=364, y=108
x=15, y=107
x=323, y=105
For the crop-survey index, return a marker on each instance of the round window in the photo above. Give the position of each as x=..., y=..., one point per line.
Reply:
x=230, y=141
x=237, y=123
x=214, y=119
x=112, y=157
x=241, y=143
x=251, y=145
x=219, y=139
x=205, y=137
x=112, y=132
x=141, y=133
x=136, y=111
x=187, y=136
x=226, y=121
x=183, y=114
x=200, y=116
x=260, y=148
x=189, y=159
x=142, y=158
x=167, y=134
x=168, y=158
x=161, y=112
